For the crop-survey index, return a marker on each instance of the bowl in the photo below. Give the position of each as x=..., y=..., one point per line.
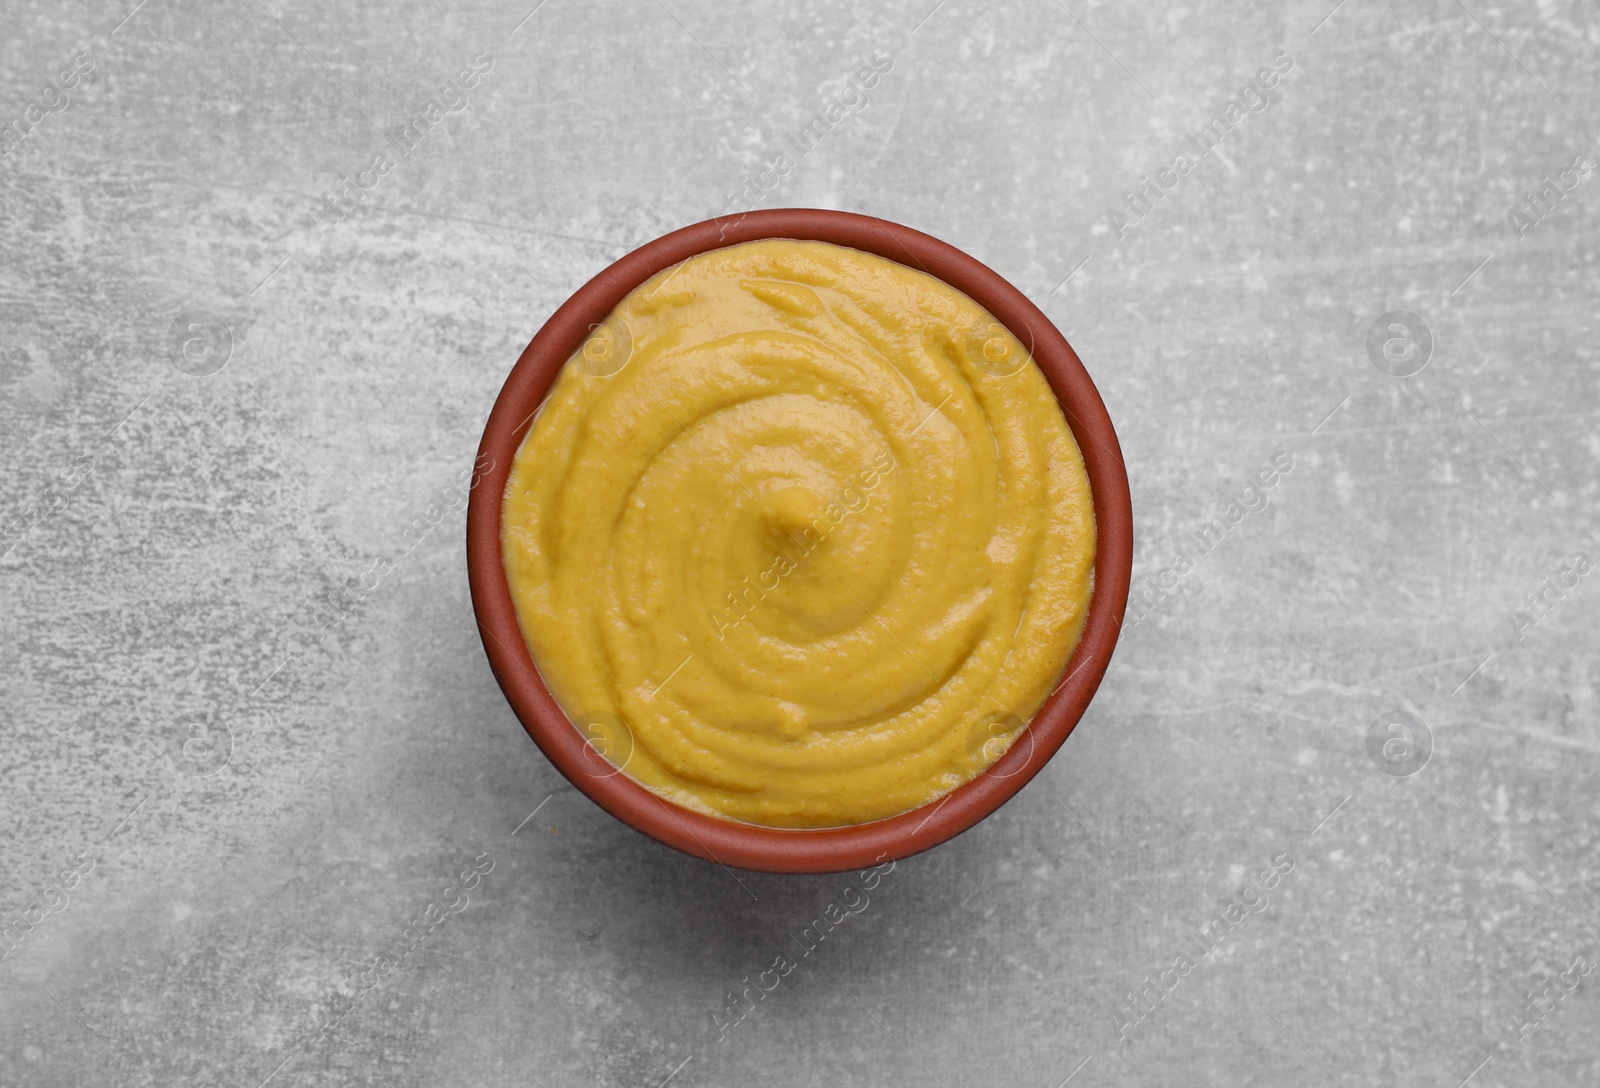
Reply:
x=748, y=846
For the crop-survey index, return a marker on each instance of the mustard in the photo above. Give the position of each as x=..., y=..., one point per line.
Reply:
x=800, y=536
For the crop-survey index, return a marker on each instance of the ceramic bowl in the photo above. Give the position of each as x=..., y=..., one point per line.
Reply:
x=744, y=845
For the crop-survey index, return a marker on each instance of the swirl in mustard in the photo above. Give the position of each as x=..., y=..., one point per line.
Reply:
x=800, y=536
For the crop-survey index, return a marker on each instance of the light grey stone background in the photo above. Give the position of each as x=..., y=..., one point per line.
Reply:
x=174, y=540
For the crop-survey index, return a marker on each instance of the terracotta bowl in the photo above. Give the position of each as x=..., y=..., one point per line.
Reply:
x=744, y=845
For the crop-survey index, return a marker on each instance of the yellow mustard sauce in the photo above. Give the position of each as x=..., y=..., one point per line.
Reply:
x=800, y=537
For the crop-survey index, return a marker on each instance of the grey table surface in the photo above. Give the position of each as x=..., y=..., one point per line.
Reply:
x=214, y=824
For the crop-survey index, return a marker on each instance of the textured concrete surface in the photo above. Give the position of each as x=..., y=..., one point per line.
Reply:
x=215, y=822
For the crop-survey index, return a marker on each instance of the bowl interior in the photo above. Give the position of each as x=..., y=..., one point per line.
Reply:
x=744, y=845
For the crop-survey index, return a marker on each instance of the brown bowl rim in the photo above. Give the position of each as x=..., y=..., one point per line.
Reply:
x=749, y=846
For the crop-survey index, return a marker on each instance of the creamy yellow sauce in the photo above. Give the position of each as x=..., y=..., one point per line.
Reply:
x=800, y=536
